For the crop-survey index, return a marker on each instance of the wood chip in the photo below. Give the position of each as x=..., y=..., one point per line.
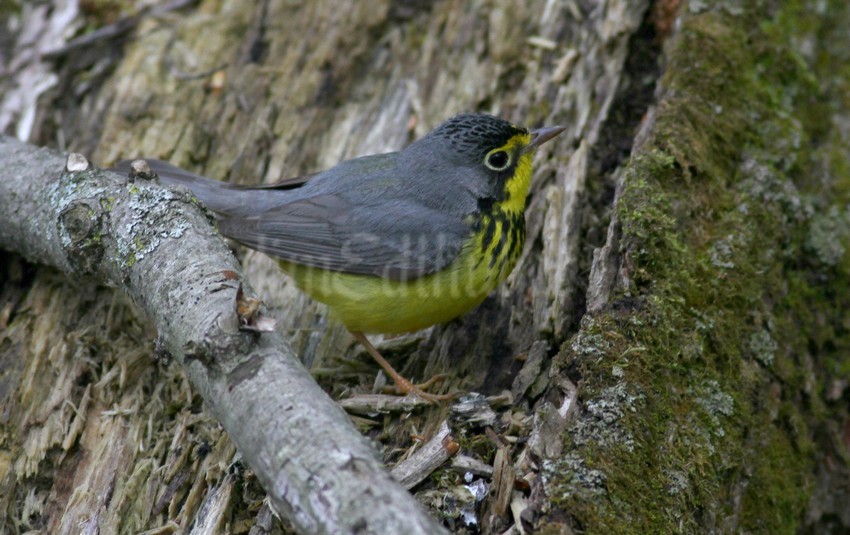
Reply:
x=503, y=480
x=430, y=456
x=374, y=404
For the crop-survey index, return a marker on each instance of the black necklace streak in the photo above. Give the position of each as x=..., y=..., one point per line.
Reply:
x=511, y=236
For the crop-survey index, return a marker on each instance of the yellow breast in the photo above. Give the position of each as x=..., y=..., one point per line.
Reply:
x=377, y=305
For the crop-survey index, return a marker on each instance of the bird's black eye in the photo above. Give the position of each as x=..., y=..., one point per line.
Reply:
x=498, y=160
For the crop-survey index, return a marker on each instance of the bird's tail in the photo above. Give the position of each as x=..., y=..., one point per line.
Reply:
x=218, y=196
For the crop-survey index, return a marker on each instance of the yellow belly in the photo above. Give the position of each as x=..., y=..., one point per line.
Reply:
x=375, y=305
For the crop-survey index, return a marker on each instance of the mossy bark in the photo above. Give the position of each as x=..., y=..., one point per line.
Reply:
x=714, y=381
x=710, y=369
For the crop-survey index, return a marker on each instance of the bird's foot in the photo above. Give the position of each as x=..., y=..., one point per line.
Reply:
x=403, y=386
x=406, y=388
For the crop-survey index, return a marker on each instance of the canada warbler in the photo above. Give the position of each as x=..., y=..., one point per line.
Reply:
x=392, y=242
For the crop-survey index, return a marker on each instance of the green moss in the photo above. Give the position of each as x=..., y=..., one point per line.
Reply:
x=828, y=235
x=476, y=445
x=10, y=6
x=96, y=239
x=691, y=381
x=106, y=203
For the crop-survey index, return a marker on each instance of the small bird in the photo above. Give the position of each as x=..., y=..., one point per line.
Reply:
x=394, y=242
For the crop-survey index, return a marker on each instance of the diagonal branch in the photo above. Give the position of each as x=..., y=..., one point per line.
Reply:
x=158, y=246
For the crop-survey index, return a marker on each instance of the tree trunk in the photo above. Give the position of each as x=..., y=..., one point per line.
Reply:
x=669, y=355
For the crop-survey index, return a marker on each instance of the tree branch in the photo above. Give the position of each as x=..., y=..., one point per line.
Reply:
x=156, y=245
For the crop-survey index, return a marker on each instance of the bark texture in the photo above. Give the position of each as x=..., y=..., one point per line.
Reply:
x=668, y=356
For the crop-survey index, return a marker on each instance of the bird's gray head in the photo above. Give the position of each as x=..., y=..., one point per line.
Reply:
x=474, y=150
x=470, y=136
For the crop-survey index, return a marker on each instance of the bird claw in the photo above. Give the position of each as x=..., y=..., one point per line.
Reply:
x=402, y=385
x=406, y=388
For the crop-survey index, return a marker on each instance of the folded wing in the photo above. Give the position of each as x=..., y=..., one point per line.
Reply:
x=397, y=239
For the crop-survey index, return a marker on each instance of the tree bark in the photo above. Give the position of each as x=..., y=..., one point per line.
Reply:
x=668, y=356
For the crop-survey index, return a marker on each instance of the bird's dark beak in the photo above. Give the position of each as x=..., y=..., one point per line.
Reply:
x=542, y=135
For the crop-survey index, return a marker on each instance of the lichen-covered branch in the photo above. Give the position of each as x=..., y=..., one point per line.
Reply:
x=157, y=245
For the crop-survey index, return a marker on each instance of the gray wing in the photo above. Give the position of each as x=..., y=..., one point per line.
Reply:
x=395, y=239
x=357, y=217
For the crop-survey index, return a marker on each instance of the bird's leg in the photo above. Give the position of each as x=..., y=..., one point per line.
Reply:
x=402, y=385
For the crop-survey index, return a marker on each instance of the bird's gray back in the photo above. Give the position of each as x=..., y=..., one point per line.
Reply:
x=371, y=215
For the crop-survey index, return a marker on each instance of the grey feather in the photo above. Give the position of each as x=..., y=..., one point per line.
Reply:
x=399, y=215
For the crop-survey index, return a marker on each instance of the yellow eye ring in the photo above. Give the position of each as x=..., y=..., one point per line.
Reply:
x=497, y=160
